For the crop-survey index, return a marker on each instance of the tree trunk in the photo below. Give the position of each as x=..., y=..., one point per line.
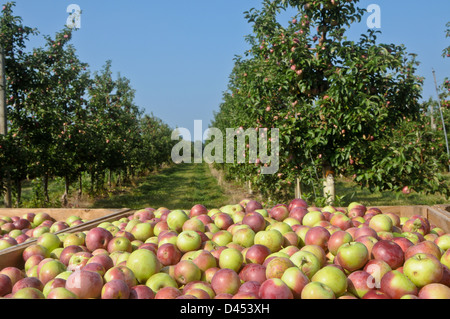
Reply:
x=329, y=191
x=46, y=196
x=80, y=186
x=298, y=189
x=64, y=198
x=4, y=122
x=109, y=179
x=19, y=192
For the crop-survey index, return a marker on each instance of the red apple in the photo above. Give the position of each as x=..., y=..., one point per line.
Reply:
x=390, y=252
x=225, y=281
x=297, y=202
x=277, y=266
x=115, y=289
x=168, y=293
x=28, y=282
x=424, y=247
x=141, y=292
x=376, y=294
x=85, y=284
x=6, y=285
x=14, y=273
x=275, y=288
x=198, y=210
x=253, y=205
x=360, y=283
x=395, y=284
x=296, y=280
x=337, y=239
x=105, y=260
x=434, y=291
x=279, y=212
x=319, y=236
x=253, y=272
x=168, y=254
x=123, y=273
x=255, y=221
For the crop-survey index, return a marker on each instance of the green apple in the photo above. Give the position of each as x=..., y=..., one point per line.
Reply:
x=272, y=239
x=143, y=263
x=160, y=280
x=131, y=224
x=312, y=218
x=296, y=280
x=222, y=237
x=307, y=262
x=317, y=290
x=49, y=241
x=231, y=258
x=443, y=242
x=423, y=269
x=352, y=256
x=176, y=219
x=71, y=219
x=142, y=231
x=380, y=223
x=282, y=227
x=333, y=277
x=244, y=237
x=188, y=240
x=76, y=239
x=50, y=270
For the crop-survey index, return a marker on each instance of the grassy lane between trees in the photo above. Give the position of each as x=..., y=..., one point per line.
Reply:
x=176, y=187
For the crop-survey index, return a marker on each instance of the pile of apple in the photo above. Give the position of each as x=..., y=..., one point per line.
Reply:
x=242, y=251
x=16, y=230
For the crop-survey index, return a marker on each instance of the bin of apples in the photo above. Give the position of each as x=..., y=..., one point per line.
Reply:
x=17, y=229
x=241, y=251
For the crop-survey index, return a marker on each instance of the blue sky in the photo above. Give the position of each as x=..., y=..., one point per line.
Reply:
x=178, y=54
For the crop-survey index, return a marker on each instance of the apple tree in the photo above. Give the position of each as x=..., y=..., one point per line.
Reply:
x=335, y=100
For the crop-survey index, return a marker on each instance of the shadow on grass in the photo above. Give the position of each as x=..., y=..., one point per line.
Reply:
x=177, y=187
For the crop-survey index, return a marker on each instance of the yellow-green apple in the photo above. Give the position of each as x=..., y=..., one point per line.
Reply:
x=49, y=241
x=85, y=284
x=434, y=291
x=28, y=293
x=225, y=281
x=317, y=290
x=159, y=227
x=231, y=258
x=445, y=259
x=160, y=280
x=123, y=273
x=69, y=220
x=141, y=292
x=272, y=239
x=438, y=231
x=60, y=293
x=337, y=239
x=176, y=219
x=75, y=239
x=318, y=252
x=381, y=222
x=312, y=218
x=142, y=231
x=188, y=240
x=244, y=237
x=50, y=270
x=208, y=274
x=352, y=256
x=275, y=288
x=307, y=262
x=296, y=280
x=169, y=236
x=443, y=242
x=282, y=227
x=206, y=287
x=423, y=269
x=40, y=217
x=395, y=284
x=119, y=243
x=143, y=263
x=333, y=277
x=360, y=283
x=425, y=247
x=390, y=252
